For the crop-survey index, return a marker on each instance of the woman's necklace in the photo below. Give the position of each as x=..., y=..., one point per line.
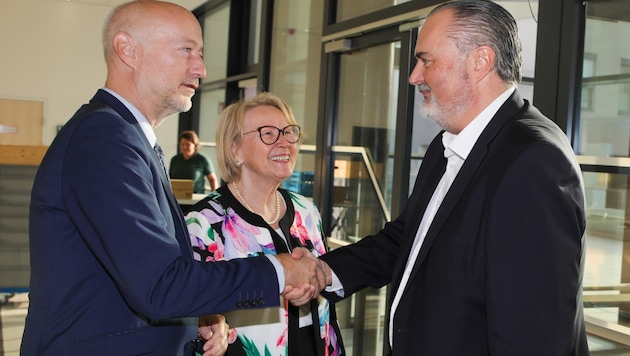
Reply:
x=275, y=220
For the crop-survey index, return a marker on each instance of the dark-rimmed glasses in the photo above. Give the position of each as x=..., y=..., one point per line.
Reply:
x=270, y=134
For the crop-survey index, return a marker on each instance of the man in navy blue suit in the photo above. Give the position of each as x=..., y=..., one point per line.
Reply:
x=487, y=256
x=112, y=270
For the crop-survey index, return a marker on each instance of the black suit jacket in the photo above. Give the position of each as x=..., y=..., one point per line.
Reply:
x=112, y=270
x=500, y=270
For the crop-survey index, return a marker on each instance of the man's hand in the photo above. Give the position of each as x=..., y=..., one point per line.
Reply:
x=301, y=294
x=214, y=330
x=304, y=276
x=300, y=252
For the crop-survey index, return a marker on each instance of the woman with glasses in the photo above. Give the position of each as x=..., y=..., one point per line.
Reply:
x=251, y=215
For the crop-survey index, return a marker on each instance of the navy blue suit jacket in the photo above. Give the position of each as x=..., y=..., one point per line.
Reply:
x=500, y=269
x=112, y=271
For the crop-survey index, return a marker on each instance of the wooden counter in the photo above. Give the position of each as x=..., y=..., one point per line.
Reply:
x=22, y=155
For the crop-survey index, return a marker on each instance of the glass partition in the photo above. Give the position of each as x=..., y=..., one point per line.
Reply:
x=607, y=267
x=215, y=31
x=254, y=32
x=362, y=316
x=604, y=148
x=295, y=68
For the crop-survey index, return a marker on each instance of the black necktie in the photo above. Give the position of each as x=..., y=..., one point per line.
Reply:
x=158, y=150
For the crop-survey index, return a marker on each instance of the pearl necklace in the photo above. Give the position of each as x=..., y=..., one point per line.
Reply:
x=275, y=220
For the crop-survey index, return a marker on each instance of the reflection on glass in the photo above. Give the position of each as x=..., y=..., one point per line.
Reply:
x=295, y=63
x=605, y=115
x=363, y=159
x=607, y=270
x=212, y=103
x=605, y=132
x=254, y=32
x=368, y=93
x=215, y=33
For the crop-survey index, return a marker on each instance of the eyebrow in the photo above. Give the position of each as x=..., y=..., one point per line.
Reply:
x=417, y=55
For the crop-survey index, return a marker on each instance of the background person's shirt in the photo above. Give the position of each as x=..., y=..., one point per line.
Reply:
x=196, y=168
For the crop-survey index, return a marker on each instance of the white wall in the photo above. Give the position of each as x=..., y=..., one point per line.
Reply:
x=51, y=51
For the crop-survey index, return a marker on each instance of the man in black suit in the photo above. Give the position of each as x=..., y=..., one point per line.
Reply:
x=487, y=256
x=112, y=269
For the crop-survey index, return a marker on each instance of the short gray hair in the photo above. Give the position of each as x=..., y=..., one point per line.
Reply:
x=485, y=23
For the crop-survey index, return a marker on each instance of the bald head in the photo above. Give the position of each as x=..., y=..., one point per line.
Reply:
x=139, y=18
x=154, y=56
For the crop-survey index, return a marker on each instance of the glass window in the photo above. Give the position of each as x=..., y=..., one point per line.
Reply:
x=624, y=90
x=212, y=103
x=605, y=118
x=588, y=71
x=295, y=65
x=347, y=9
x=363, y=168
x=215, y=33
x=604, y=142
x=254, y=32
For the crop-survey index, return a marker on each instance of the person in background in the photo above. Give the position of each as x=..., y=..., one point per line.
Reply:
x=190, y=164
x=112, y=268
x=487, y=256
x=251, y=216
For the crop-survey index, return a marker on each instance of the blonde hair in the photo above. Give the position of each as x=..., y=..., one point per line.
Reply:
x=230, y=130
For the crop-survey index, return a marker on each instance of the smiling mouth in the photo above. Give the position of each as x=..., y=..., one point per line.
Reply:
x=281, y=158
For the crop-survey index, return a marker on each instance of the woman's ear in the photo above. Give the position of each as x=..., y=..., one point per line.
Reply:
x=234, y=150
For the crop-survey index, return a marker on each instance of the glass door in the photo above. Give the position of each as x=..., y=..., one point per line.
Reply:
x=604, y=149
x=362, y=153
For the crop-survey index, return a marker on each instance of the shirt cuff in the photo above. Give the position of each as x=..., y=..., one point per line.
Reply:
x=279, y=272
x=336, y=286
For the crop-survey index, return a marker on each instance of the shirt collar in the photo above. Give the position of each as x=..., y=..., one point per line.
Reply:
x=463, y=143
x=142, y=120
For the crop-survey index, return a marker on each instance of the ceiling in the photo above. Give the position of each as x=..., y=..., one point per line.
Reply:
x=189, y=4
x=614, y=10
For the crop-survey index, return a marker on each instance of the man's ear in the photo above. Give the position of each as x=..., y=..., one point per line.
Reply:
x=484, y=58
x=125, y=48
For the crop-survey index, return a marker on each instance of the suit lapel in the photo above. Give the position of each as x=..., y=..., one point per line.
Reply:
x=181, y=231
x=431, y=171
x=511, y=109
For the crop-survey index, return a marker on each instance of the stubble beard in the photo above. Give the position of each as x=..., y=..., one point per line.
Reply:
x=446, y=116
x=430, y=108
x=172, y=104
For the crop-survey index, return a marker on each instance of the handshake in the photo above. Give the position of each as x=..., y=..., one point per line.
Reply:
x=305, y=276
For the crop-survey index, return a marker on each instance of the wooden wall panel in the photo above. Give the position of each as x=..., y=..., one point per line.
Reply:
x=21, y=122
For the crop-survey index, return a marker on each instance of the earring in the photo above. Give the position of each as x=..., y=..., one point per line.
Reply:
x=239, y=163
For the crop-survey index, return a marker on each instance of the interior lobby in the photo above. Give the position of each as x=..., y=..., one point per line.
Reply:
x=342, y=65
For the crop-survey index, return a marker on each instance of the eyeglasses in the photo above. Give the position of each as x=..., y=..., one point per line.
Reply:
x=270, y=134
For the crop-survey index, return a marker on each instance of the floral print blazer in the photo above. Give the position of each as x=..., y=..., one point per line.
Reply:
x=221, y=229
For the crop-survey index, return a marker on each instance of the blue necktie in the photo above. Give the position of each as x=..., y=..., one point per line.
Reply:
x=158, y=150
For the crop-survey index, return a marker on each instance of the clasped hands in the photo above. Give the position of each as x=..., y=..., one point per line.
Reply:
x=305, y=276
x=301, y=268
